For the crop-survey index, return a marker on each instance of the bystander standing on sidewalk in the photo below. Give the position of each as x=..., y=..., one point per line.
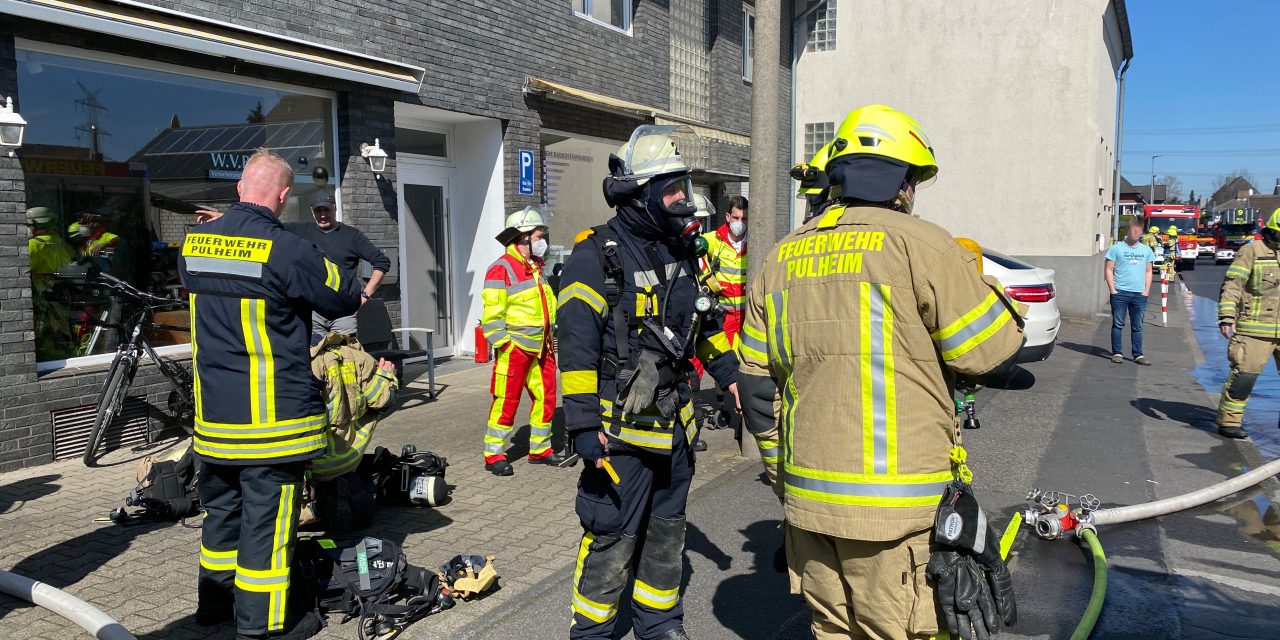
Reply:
x=345, y=246
x=1128, y=276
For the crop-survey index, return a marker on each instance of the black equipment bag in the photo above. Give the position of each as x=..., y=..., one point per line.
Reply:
x=413, y=478
x=367, y=579
x=166, y=488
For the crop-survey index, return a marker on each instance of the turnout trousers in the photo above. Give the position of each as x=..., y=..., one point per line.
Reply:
x=636, y=526
x=247, y=541
x=516, y=371
x=1247, y=356
x=863, y=588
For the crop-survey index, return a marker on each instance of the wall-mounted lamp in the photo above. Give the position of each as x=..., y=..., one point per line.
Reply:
x=12, y=126
x=375, y=155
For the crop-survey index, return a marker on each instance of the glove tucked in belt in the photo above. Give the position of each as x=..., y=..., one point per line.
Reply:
x=972, y=585
x=648, y=384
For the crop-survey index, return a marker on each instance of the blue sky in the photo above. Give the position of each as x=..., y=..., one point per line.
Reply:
x=1204, y=91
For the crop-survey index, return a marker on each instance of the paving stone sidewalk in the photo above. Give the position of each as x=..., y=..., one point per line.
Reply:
x=145, y=575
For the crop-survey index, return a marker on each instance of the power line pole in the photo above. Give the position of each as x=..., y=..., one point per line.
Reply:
x=765, y=142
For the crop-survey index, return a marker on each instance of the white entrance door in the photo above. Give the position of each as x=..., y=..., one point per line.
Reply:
x=426, y=292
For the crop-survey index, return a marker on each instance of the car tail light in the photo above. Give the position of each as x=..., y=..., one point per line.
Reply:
x=1031, y=293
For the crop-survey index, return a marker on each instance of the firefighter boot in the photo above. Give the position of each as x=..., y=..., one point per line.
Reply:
x=499, y=466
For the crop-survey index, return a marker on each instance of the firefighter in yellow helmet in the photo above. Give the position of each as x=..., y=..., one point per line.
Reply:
x=519, y=314
x=1249, y=317
x=1152, y=238
x=863, y=322
x=1171, y=248
x=48, y=252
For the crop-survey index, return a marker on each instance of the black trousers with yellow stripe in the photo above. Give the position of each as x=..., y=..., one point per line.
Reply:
x=247, y=541
x=636, y=526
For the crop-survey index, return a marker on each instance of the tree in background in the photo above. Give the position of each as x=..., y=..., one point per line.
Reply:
x=1172, y=189
x=1222, y=180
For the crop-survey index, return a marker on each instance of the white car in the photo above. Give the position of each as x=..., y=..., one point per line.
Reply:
x=1224, y=255
x=1033, y=286
x=1208, y=249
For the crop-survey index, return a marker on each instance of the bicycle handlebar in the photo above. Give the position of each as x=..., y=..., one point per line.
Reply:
x=122, y=287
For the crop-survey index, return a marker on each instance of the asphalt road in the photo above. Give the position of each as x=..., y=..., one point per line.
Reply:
x=1075, y=423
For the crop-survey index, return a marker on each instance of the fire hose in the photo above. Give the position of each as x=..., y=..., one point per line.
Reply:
x=89, y=618
x=1053, y=517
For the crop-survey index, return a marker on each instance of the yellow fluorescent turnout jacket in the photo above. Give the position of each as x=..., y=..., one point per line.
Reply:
x=859, y=319
x=1250, y=297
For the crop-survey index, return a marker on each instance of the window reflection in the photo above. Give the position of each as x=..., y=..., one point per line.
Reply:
x=118, y=159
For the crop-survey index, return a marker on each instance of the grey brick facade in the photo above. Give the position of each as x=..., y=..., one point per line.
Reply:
x=477, y=56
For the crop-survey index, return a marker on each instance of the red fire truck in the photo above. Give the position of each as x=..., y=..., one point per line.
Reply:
x=1236, y=228
x=1186, y=218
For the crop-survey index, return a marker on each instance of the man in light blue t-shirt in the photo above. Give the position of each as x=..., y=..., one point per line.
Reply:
x=1128, y=276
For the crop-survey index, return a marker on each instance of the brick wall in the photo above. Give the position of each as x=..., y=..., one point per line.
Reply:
x=477, y=57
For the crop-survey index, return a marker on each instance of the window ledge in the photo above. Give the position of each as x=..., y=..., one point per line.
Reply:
x=92, y=364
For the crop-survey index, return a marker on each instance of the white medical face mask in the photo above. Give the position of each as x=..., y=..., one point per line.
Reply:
x=539, y=247
x=737, y=228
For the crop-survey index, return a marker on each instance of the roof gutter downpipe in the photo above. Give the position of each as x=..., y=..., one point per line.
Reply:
x=1115, y=183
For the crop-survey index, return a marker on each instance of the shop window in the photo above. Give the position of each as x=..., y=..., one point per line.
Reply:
x=816, y=135
x=748, y=41
x=822, y=28
x=119, y=158
x=612, y=13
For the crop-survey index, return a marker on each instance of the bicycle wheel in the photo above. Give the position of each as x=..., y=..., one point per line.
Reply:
x=110, y=401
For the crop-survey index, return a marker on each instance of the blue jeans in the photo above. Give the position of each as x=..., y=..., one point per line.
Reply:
x=1134, y=304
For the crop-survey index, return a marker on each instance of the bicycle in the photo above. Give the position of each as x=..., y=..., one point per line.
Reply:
x=140, y=308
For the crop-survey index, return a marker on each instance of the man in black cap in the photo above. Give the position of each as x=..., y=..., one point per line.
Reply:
x=345, y=246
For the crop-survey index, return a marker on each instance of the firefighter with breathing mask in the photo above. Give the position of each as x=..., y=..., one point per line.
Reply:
x=632, y=315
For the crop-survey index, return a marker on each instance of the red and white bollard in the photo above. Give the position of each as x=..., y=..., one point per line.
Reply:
x=1164, y=298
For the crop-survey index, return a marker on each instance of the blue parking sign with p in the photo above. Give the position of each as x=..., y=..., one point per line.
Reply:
x=526, y=172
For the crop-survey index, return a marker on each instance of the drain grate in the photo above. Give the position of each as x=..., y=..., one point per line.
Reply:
x=71, y=428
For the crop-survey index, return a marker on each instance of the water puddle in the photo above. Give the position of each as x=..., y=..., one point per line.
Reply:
x=1262, y=414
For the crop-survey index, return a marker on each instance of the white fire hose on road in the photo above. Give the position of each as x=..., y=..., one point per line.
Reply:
x=1187, y=500
x=1054, y=518
x=88, y=617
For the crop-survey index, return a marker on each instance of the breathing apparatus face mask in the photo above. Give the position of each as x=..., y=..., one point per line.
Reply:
x=669, y=201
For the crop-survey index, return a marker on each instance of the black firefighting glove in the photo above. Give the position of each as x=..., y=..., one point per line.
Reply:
x=961, y=591
x=962, y=527
x=587, y=445
x=639, y=384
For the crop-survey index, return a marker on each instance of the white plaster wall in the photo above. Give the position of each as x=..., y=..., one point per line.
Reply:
x=1017, y=97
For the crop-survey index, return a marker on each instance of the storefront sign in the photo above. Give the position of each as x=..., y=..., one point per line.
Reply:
x=66, y=167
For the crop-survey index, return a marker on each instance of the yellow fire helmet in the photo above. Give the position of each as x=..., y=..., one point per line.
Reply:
x=522, y=221
x=1273, y=222
x=705, y=208
x=1172, y=230
x=1154, y=229
x=884, y=131
x=651, y=152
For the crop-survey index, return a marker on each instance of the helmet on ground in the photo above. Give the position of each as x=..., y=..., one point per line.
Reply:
x=1172, y=230
x=39, y=215
x=521, y=222
x=876, y=150
x=705, y=208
